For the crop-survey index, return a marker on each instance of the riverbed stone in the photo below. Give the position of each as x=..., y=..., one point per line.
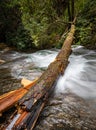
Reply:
x=67, y=112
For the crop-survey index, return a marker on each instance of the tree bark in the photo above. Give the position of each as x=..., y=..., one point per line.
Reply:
x=48, y=78
x=9, y=99
x=69, y=12
x=33, y=102
x=72, y=9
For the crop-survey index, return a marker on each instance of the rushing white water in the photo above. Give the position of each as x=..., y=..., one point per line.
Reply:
x=79, y=78
x=43, y=58
x=80, y=75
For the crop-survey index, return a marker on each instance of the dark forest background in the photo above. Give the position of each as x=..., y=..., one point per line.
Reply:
x=40, y=24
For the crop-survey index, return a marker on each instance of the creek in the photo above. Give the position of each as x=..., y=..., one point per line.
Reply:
x=72, y=105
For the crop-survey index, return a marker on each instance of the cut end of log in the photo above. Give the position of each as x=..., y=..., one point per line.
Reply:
x=25, y=82
x=10, y=99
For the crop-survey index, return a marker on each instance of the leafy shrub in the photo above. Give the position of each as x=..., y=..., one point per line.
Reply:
x=86, y=26
x=19, y=38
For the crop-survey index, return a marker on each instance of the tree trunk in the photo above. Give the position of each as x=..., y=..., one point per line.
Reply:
x=33, y=102
x=69, y=12
x=72, y=9
x=48, y=78
x=36, y=97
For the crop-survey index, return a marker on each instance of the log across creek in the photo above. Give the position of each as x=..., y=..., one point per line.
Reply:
x=31, y=100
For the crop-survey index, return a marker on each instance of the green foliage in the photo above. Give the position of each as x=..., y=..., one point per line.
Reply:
x=12, y=30
x=84, y=35
x=79, y=5
x=20, y=38
x=30, y=23
x=86, y=26
x=40, y=23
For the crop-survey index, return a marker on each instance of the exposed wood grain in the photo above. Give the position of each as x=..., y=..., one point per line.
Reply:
x=48, y=78
x=9, y=99
x=33, y=99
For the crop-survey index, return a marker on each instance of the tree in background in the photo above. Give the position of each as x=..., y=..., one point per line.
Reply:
x=12, y=29
x=36, y=23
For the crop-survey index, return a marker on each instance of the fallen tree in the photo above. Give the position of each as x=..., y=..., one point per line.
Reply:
x=32, y=102
x=47, y=79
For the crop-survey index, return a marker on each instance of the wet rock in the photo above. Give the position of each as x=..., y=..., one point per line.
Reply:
x=7, y=82
x=67, y=112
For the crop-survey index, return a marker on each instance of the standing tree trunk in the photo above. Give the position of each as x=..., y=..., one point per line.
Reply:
x=69, y=12
x=72, y=10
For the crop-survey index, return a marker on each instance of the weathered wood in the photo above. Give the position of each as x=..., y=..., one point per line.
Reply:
x=48, y=78
x=33, y=102
x=27, y=120
x=9, y=99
